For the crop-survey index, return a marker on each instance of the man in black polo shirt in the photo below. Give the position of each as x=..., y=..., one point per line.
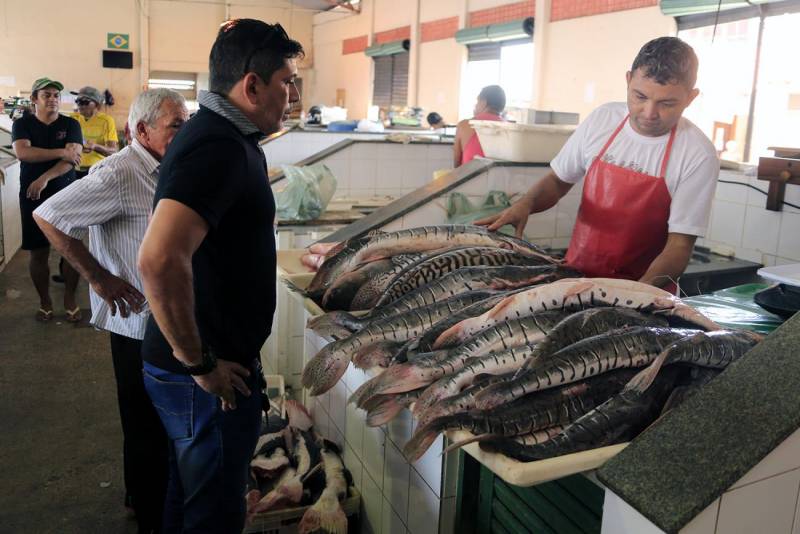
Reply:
x=208, y=266
x=48, y=146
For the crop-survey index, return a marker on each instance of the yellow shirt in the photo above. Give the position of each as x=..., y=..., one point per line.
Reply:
x=99, y=129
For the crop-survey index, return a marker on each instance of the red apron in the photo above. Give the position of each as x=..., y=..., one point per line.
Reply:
x=622, y=220
x=473, y=148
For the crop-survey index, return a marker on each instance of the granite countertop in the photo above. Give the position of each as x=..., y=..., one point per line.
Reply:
x=681, y=464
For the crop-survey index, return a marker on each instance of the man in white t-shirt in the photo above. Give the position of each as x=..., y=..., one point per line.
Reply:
x=649, y=175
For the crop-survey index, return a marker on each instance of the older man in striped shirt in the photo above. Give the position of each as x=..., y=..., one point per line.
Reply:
x=113, y=203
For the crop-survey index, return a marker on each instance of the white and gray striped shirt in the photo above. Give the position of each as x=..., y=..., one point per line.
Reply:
x=114, y=202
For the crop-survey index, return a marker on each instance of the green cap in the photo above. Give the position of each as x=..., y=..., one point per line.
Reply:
x=41, y=83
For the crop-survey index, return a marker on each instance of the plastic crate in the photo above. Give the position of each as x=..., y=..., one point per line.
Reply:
x=285, y=521
x=521, y=142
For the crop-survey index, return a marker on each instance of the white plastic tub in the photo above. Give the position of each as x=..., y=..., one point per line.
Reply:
x=535, y=143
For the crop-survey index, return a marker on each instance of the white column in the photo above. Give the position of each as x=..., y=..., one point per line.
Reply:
x=541, y=27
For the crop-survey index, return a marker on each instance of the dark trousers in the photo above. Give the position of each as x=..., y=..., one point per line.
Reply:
x=210, y=451
x=145, y=444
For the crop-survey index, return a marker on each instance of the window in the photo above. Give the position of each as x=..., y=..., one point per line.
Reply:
x=509, y=65
x=743, y=123
x=390, y=86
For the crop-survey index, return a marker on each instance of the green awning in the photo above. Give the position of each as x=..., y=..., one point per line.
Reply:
x=517, y=29
x=387, y=49
x=682, y=8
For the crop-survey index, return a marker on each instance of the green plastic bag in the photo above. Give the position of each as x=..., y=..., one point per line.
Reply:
x=307, y=192
x=460, y=210
x=734, y=308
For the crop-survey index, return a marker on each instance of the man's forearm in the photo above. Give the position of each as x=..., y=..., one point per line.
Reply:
x=169, y=291
x=72, y=249
x=105, y=150
x=31, y=154
x=668, y=266
x=62, y=167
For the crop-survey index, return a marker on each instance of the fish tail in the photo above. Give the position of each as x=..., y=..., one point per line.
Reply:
x=644, y=378
x=325, y=369
x=365, y=391
x=325, y=515
x=402, y=378
x=421, y=441
x=378, y=354
x=383, y=410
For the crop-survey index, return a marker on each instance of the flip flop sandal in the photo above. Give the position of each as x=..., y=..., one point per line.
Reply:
x=43, y=315
x=74, y=316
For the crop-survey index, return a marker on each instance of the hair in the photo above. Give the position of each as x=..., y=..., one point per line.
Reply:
x=146, y=106
x=434, y=118
x=667, y=60
x=248, y=45
x=494, y=96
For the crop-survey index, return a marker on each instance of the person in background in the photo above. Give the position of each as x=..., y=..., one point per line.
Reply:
x=435, y=121
x=208, y=263
x=649, y=175
x=113, y=202
x=489, y=106
x=48, y=146
x=99, y=131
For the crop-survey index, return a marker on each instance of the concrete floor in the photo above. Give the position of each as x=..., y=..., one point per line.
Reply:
x=60, y=436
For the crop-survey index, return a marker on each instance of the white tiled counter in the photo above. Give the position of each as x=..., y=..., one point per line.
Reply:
x=764, y=500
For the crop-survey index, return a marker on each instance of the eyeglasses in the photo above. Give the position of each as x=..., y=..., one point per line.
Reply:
x=83, y=101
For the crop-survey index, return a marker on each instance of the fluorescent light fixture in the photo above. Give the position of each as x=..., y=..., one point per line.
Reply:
x=180, y=85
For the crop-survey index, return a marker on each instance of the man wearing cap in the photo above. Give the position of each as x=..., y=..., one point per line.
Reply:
x=48, y=146
x=99, y=131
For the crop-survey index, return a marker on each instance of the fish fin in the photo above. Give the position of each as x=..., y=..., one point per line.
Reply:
x=339, y=324
x=579, y=287
x=449, y=336
x=383, y=411
x=401, y=378
x=644, y=378
x=298, y=415
x=500, y=307
x=378, y=354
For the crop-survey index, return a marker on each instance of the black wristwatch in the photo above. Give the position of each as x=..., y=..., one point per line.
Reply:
x=206, y=365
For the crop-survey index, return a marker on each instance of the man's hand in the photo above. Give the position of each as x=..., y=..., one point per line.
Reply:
x=88, y=146
x=118, y=294
x=72, y=154
x=517, y=215
x=37, y=186
x=222, y=381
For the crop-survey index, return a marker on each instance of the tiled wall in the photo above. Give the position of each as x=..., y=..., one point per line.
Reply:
x=394, y=169
x=570, y=9
x=741, y=223
x=764, y=500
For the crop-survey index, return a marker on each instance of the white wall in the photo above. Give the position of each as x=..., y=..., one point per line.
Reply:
x=9, y=208
x=586, y=58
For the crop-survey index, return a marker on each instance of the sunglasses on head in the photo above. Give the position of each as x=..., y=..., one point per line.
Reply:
x=83, y=101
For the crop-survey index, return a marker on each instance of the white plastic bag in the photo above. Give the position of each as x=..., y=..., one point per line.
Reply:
x=307, y=192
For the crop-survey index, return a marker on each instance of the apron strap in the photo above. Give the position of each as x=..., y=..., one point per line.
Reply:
x=667, y=153
x=611, y=139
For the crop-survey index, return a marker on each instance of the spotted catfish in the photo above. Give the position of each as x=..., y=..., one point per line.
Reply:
x=382, y=335
x=577, y=294
x=557, y=406
x=439, y=264
x=629, y=347
x=461, y=281
x=413, y=240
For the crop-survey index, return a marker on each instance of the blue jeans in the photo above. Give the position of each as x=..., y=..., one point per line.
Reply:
x=210, y=451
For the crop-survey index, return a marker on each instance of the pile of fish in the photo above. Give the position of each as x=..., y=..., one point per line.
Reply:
x=476, y=331
x=293, y=466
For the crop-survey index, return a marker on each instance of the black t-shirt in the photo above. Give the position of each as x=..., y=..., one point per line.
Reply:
x=57, y=134
x=219, y=173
